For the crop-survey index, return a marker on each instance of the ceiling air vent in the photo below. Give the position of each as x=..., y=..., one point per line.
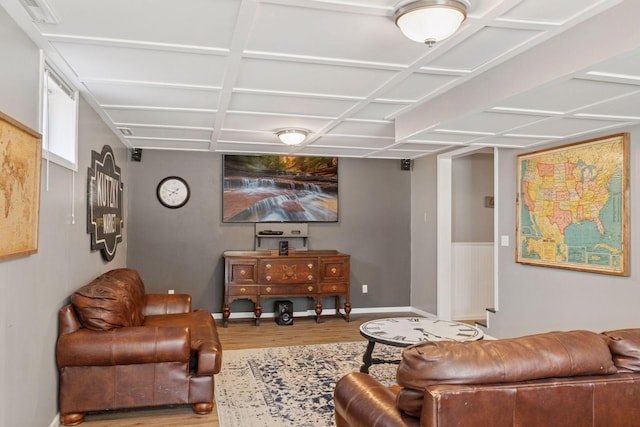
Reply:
x=126, y=131
x=39, y=11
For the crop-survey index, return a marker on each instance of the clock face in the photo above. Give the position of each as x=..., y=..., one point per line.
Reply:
x=404, y=331
x=173, y=192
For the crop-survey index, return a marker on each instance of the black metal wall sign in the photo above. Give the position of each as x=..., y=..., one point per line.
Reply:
x=104, y=203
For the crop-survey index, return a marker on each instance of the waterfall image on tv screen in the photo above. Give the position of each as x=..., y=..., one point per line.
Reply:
x=280, y=189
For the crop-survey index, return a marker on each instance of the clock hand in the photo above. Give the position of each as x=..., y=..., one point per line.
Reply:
x=428, y=334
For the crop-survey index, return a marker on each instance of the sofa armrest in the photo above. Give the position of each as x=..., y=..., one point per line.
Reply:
x=124, y=346
x=166, y=304
x=209, y=358
x=362, y=401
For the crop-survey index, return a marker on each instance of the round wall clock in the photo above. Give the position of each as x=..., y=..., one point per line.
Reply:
x=173, y=192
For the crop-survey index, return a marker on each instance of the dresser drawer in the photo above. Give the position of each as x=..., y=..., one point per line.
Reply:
x=334, y=269
x=288, y=271
x=288, y=289
x=338, y=288
x=242, y=271
x=251, y=290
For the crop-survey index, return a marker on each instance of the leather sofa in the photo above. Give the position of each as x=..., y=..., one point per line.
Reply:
x=119, y=347
x=575, y=378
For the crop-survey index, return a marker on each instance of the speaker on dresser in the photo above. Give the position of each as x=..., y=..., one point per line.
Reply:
x=284, y=312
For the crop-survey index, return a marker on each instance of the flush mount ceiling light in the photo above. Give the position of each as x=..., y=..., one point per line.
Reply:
x=429, y=21
x=292, y=136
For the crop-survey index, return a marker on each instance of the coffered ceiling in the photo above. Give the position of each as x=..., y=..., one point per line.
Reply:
x=224, y=75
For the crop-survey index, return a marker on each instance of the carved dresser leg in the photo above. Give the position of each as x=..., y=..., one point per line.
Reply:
x=257, y=311
x=347, y=310
x=226, y=312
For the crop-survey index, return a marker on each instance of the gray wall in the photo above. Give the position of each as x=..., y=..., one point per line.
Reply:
x=181, y=249
x=424, y=255
x=538, y=299
x=35, y=287
x=472, y=180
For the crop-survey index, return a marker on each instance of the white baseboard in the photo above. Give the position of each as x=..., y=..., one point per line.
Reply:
x=56, y=421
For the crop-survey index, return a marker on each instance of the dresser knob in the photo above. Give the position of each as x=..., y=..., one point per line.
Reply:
x=268, y=266
x=310, y=288
x=243, y=290
x=243, y=272
x=310, y=266
x=309, y=277
x=334, y=287
x=334, y=270
x=268, y=289
x=268, y=278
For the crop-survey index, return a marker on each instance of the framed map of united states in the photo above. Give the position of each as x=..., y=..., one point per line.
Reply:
x=573, y=206
x=20, y=163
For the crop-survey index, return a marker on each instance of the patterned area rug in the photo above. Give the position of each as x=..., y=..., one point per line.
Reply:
x=291, y=386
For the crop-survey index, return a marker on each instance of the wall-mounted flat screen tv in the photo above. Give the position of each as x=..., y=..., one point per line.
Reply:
x=280, y=189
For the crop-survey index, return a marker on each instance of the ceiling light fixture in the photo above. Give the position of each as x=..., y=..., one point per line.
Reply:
x=429, y=21
x=291, y=136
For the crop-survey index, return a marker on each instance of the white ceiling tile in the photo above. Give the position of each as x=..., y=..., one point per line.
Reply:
x=417, y=86
x=145, y=65
x=298, y=105
x=482, y=48
x=350, y=142
x=310, y=150
x=379, y=110
x=414, y=146
x=271, y=123
x=565, y=127
x=169, y=144
x=306, y=78
x=567, y=95
x=508, y=141
x=625, y=107
x=187, y=22
x=168, y=132
x=443, y=137
x=490, y=122
x=552, y=12
x=330, y=34
x=161, y=117
x=625, y=66
x=364, y=128
x=400, y=154
x=152, y=96
x=252, y=148
x=247, y=137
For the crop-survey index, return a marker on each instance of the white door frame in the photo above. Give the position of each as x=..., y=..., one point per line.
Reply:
x=444, y=233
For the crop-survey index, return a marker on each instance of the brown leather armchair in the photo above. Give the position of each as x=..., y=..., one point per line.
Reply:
x=121, y=348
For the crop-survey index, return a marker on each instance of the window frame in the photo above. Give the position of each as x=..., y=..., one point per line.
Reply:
x=49, y=72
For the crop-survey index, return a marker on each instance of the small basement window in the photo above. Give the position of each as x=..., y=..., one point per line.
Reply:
x=59, y=119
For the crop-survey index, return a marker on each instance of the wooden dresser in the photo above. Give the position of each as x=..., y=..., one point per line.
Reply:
x=262, y=275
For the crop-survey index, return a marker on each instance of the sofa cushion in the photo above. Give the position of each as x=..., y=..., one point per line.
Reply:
x=112, y=300
x=625, y=348
x=553, y=354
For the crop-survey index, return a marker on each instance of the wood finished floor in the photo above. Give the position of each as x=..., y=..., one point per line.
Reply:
x=241, y=334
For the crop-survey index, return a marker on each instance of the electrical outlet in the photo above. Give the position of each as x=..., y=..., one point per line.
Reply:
x=365, y=289
x=171, y=291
